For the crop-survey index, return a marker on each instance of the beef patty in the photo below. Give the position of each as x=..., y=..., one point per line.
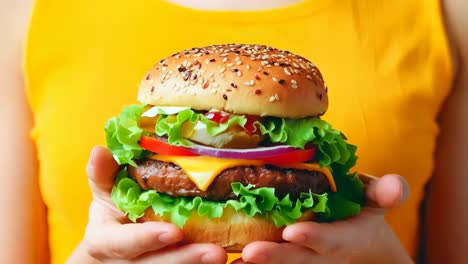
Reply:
x=166, y=177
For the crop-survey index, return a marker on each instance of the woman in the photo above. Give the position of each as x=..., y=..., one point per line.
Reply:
x=389, y=67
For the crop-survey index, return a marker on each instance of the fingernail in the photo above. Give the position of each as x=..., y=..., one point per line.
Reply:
x=91, y=159
x=208, y=258
x=404, y=192
x=167, y=237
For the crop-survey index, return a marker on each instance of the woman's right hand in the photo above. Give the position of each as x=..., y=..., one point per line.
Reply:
x=111, y=238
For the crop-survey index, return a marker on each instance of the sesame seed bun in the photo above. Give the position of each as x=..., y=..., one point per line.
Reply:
x=233, y=231
x=240, y=79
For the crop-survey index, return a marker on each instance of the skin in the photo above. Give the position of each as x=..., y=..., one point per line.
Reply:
x=24, y=231
x=110, y=238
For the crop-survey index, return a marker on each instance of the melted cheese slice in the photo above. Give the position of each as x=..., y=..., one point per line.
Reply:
x=202, y=170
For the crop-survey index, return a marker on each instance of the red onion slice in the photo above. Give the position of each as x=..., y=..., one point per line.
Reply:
x=253, y=153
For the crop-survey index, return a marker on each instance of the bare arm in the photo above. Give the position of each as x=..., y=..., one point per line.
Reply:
x=22, y=225
x=447, y=214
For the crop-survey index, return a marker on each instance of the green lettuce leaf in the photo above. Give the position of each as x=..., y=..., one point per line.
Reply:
x=171, y=125
x=123, y=135
x=332, y=146
x=133, y=201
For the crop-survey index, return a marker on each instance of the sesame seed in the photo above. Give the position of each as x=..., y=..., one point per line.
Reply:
x=164, y=69
x=181, y=69
x=247, y=67
x=152, y=88
x=266, y=73
x=239, y=63
x=148, y=76
x=222, y=75
x=295, y=65
x=237, y=59
x=287, y=71
x=225, y=97
x=293, y=81
x=258, y=91
x=294, y=86
x=234, y=70
x=276, y=64
x=212, y=60
x=222, y=70
x=228, y=90
x=257, y=77
x=264, y=63
x=213, y=91
x=272, y=99
x=239, y=74
x=230, y=64
x=205, y=85
x=224, y=60
x=309, y=77
x=233, y=85
x=274, y=79
x=252, y=82
x=186, y=75
x=282, y=81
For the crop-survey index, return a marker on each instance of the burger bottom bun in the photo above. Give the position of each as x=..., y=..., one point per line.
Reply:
x=233, y=231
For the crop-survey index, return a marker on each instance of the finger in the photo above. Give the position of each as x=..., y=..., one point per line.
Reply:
x=189, y=254
x=101, y=171
x=238, y=261
x=115, y=241
x=324, y=238
x=387, y=192
x=264, y=252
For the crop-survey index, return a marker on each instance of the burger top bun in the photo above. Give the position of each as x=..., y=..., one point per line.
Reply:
x=240, y=79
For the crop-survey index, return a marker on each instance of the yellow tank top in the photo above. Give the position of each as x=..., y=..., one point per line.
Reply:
x=386, y=63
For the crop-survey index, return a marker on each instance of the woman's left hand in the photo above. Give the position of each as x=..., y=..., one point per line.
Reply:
x=365, y=238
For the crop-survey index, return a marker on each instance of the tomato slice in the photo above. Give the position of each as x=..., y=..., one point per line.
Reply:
x=249, y=126
x=161, y=147
x=297, y=156
x=219, y=117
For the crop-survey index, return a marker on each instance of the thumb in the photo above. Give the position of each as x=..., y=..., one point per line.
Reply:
x=385, y=192
x=101, y=170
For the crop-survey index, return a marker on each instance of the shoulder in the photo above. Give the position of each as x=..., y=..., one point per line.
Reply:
x=456, y=22
x=14, y=19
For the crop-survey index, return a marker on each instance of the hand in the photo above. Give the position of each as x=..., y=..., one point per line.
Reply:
x=110, y=238
x=365, y=238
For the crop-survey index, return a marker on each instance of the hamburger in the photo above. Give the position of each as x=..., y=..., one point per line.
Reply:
x=227, y=142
